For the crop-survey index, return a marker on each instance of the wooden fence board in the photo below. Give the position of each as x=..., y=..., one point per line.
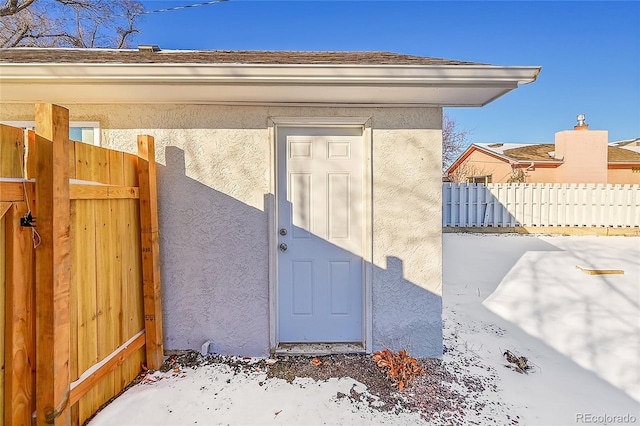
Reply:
x=92, y=163
x=11, y=151
x=116, y=177
x=4, y=206
x=31, y=154
x=107, y=295
x=98, y=192
x=3, y=286
x=111, y=365
x=72, y=159
x=73, y=303
x=11, y=191
x=83, y=261
x=86, y=157
x=133, y=316
x=20, y=354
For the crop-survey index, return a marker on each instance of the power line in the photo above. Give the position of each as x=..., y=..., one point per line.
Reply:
x=188, y=6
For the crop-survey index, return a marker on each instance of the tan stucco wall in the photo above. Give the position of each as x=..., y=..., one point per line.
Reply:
x=541, y=175
x=584, y=155
x=215, y=169
x=623, y=176
x=478, y=163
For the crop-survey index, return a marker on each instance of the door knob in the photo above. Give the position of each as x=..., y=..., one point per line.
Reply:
x=283, y=247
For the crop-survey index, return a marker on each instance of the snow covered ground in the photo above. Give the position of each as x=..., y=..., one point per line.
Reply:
x=501, y=292
x=581, y=332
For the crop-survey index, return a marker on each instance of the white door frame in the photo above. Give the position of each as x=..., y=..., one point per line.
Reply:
x=271, y=207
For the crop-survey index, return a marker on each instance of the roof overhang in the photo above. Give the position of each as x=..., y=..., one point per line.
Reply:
x=389, y=85
x=622, y=164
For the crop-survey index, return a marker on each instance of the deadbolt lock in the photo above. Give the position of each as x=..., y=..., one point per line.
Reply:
x=283, y=231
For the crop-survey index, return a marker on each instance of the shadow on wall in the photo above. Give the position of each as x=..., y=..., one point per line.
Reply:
x=214, y=264
x=414, y=322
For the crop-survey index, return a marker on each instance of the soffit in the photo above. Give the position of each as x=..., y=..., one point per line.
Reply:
x=311, y=78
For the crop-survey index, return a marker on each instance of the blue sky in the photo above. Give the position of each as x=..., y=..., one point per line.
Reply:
x=589, y=51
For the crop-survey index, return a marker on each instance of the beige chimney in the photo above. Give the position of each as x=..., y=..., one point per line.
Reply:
x=584, y=154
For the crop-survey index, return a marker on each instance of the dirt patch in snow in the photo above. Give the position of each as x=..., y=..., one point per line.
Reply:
x=452, y=392
x=358, y=367
x=447, y=393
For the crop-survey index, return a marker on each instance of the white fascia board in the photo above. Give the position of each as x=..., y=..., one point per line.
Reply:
x=441, y=85
x=270, y=74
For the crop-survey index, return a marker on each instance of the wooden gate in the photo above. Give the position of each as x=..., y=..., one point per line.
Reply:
x=80, y=306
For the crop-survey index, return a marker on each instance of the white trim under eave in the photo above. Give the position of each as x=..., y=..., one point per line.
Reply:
x=319, y=121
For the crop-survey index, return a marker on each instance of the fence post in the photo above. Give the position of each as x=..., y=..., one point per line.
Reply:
x=52, y=265
x=150, y=251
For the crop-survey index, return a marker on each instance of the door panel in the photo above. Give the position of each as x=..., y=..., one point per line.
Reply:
x=320, y=207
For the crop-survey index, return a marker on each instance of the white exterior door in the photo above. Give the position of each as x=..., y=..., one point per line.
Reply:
x=320, y=235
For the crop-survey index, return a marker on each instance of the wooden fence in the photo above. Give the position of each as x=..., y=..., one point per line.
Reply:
x=540, y=205
x=81, y=311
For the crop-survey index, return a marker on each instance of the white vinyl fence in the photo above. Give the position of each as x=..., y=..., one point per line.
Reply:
x=517, y=204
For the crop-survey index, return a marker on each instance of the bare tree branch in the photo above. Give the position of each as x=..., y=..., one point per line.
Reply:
x=11, y=7
x=69, y=23
x=453, y=141
x=19, y=37
x=465, y=171
x=124, y=35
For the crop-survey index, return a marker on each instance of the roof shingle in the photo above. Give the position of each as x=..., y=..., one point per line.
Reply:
x=56, y=55
x=540, y=152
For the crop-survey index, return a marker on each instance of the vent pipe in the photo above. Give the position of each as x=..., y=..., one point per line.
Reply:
x=582, y=125
x=152, y=48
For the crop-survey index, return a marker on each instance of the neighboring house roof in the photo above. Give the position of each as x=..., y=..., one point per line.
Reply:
x=634, y=148
x=540, y=153
x=627, y=143
x=252, y=77
x=532, y=153
x=509, y=153
x=623, y=155
x=544, y=152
